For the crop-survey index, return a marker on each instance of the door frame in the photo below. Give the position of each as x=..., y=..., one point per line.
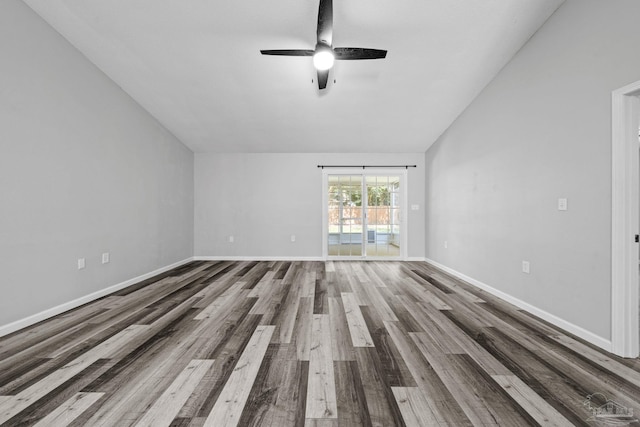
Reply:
x=365, y=172
x=625, y=219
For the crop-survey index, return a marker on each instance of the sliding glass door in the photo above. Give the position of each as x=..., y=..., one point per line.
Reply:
x=363, y=215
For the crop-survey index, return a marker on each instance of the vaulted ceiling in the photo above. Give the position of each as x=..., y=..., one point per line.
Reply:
x=195, y=65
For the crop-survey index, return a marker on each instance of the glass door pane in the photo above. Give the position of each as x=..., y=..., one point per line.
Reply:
x=345, y=216
x=383, y=216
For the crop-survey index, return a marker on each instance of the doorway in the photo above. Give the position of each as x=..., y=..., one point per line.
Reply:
x=625, y=212
x=364, y=214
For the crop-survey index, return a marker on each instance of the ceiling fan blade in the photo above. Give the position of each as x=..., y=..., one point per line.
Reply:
x=347, y=53
x=288, y=52
x=323, y=76
x=325, y=22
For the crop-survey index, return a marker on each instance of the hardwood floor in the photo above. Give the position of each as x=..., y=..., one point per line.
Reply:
x=306, y=344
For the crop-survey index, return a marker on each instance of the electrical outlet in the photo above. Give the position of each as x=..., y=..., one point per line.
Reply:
x=526, y=267
x=81, y=263
x=105, y=257
x=231, y=240
x=293, y=237
x=446, y=244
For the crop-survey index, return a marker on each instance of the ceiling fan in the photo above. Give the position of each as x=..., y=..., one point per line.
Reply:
x=324, y=54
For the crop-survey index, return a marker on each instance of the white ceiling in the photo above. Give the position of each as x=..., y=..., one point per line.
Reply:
x=195, y=66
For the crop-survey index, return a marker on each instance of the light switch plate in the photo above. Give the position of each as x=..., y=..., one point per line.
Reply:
x=562, y=204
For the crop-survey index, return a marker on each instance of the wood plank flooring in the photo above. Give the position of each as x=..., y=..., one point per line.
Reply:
x=307, y=344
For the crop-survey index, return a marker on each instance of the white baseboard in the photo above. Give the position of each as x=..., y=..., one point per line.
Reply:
x=256, y=258
x=555, y=320
x=46, y=314
x=272, y=258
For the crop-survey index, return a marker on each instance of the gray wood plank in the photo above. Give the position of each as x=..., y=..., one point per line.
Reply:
x=301, y=343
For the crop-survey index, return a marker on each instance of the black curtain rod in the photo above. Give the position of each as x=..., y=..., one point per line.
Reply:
x=367, y=166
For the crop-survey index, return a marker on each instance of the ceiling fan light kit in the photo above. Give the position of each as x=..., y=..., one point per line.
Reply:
x=324, y=53
x=323, y=58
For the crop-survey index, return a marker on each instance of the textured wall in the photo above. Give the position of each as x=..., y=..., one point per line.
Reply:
x=262, y=199
x=539, y=132
x=83, y=170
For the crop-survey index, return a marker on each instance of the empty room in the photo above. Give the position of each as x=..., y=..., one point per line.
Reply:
x=319, y=213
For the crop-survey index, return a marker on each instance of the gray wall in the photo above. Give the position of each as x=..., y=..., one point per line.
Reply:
x=262, y=199
x=83, y=170
x=540, y=131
